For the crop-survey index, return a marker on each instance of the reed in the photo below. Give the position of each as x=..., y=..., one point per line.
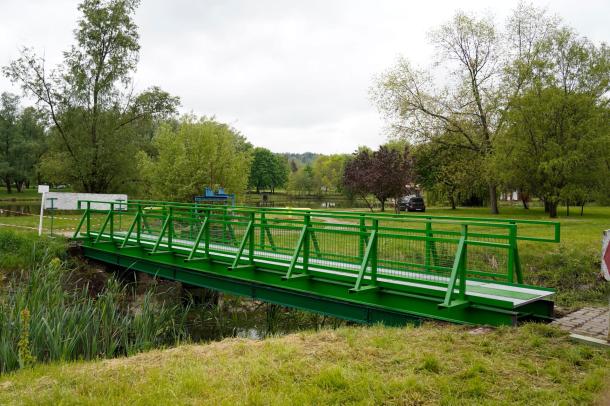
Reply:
x=67, y=323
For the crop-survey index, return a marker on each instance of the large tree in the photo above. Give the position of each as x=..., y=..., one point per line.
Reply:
x=90, y=100
x=191, y=155
x=558, y=142
x=467, y=91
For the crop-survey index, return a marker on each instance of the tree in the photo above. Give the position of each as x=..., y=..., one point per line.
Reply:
x=268, y=170
x=384, y=173
x=451, y=173
x=29, y=151
x=93, y=110
x=21, y=142
x=193, y=154
x=558, y=141
x=478, y=89
x=9, y=114
x=328, y=169
x=304, y=180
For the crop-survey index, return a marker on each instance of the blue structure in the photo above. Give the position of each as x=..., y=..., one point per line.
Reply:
x=220, y=197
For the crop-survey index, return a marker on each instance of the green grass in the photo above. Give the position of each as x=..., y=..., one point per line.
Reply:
x=534, y=364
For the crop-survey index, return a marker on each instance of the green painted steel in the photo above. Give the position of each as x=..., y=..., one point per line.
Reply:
x=359, y=266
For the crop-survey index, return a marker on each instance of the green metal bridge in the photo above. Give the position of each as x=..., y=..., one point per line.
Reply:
x=365, y=267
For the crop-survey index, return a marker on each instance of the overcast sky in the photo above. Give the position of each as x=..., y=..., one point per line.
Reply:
x=290, y=75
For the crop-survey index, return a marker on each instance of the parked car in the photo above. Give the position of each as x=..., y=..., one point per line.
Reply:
x=411, y=203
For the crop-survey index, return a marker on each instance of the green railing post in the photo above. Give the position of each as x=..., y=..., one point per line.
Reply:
x=112, y=222
x=428, y=245
x=513, y=260
x=251, y=238
x=374, y=252
x=362, y=243
x=307, y=221
x=369, y=257
x=261, y=243
x=88, y=219
x=464, y=263
x=206, y=234
x=170, y=228
x=458, y=272
x=224, y=225
x=139, y=214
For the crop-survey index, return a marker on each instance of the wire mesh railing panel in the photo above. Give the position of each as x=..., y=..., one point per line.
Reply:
x=417, y=258
x=336, y=247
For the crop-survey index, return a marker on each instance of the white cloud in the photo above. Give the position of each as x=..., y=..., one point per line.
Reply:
x=292, y=76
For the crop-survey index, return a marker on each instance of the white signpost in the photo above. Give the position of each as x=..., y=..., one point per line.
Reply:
x=44, y=189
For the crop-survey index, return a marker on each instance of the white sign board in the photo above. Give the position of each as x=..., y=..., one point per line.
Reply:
x=43, y=188
x=606, y=255
x=69, y=201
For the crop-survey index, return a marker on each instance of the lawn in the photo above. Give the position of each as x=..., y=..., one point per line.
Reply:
x=534, y=364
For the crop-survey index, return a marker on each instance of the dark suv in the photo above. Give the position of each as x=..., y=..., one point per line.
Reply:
x=411, y=203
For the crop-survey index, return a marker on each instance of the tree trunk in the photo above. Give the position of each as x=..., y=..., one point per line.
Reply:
x=582, y=209
x=547, y=206
x=9, y=187
x=553, y=209
x=382, y=204
x=524, y=201
x=568, y=208
x=493, y=199
x=452, y=202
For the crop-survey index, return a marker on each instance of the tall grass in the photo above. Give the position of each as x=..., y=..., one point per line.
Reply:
x=68, y=323
x=21, y=250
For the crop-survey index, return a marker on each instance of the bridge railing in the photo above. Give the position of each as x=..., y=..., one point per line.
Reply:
x=368, y=250
x=529, y=230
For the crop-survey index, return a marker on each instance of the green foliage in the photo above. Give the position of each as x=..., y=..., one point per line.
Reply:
x=328, y=170
x=558, y=140
x=451, y=173
x=304, y=180
x=89, y=100
x=573, y=271
x=268, y=170
x=42, y=320
x=21, y=142
x=20, y=250
x=193, y=154
x=385, y=173
x=528, y=107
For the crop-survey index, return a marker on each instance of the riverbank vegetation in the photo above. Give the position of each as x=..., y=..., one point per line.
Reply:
x=534, y=364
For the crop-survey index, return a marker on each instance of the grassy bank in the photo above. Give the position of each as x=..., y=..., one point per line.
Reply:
x=534, y=364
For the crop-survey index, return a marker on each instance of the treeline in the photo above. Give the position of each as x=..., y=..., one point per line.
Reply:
x=518, y=108
x=523, y=106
